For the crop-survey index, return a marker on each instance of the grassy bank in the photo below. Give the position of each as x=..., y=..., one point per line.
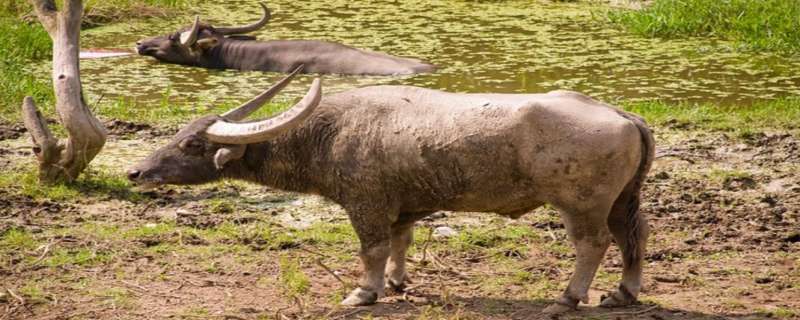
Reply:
x=780, y=114
x=752, y=24
x=23, y=42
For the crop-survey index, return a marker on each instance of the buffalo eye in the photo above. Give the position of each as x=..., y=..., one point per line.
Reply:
x=192, y=145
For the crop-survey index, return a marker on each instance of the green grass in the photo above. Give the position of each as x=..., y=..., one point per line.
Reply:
x=94, y=182
x=771, y=25
x=18, y=240
x=722, y=175
x=292, y=278
x=116, y=297
x=773, y=114
x=34, y=293
x=76, y=257
x=22, y=44
x=157, y=230
x=506, y=238
x=780, y=313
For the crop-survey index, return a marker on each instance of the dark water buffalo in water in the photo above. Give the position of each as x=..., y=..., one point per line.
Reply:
x=391, y=155
x=206, y=46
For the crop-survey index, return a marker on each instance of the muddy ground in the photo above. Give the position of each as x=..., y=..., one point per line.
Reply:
x=724, y=212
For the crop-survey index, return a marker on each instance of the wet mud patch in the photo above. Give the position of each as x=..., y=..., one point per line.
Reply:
x=116, y=127
x=11, y=131
x=718, y=188
x=775, y=148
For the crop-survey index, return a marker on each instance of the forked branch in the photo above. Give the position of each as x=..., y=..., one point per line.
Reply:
x=64, y=160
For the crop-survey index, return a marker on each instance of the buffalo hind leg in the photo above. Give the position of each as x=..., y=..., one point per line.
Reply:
x=374, y=233
x=402, y=236
x=589, y=234
x=629, y=228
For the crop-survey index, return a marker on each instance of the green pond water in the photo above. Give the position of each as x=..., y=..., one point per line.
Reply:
x=502, y=46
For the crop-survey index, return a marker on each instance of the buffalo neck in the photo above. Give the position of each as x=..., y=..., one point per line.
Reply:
x=293, y=161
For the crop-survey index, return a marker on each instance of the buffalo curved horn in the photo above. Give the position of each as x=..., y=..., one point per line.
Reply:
x=249, y=107
x=254, y=132
x=188, y=38
x=250, y=27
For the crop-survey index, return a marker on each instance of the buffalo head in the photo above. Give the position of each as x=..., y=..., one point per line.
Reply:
x=200, y=151
x=187, y=45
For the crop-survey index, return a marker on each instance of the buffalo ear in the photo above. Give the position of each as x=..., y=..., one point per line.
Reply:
x=207, y=43
x=226, y=154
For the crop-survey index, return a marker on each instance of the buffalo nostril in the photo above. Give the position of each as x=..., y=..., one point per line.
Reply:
x=134, y=174
x=138, y=43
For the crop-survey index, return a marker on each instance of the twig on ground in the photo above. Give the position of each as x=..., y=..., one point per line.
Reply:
x=300, y=303
x=632, y=313
x=352, y=313
x=425, y=246
x=143, y=289
x=314, y=252
x=323, y=266
x=44, y=253
x=279, y=313
x=20, y=299
x=551, y=234
x=146, y=207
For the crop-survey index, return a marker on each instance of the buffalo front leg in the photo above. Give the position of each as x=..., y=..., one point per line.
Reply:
x=374, y=232
x=589, y=234
x=402, y=236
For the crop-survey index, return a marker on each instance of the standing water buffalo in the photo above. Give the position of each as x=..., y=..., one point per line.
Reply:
x=391, y=155
x=205, y=46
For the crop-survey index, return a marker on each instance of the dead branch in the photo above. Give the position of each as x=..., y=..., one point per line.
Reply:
x=63, y=160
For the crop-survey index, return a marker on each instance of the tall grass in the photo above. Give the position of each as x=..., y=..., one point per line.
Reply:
x=777, y=114
x=22, y=44
x=772, y=25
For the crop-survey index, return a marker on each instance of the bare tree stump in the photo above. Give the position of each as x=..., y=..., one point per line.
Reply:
x=64, y=160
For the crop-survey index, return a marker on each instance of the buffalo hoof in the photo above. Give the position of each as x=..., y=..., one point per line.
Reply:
x=561, y=305
x=360, y=297
x=619, y=298
x=398, y=286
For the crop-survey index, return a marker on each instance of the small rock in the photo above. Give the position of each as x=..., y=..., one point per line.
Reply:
x=667, y=279
x=663, y=175
x=794, y=237
x=437, y=215
x=249, y=310
x=444, y=232
x=776, y=186
x=770, y=200
x=764, y=280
